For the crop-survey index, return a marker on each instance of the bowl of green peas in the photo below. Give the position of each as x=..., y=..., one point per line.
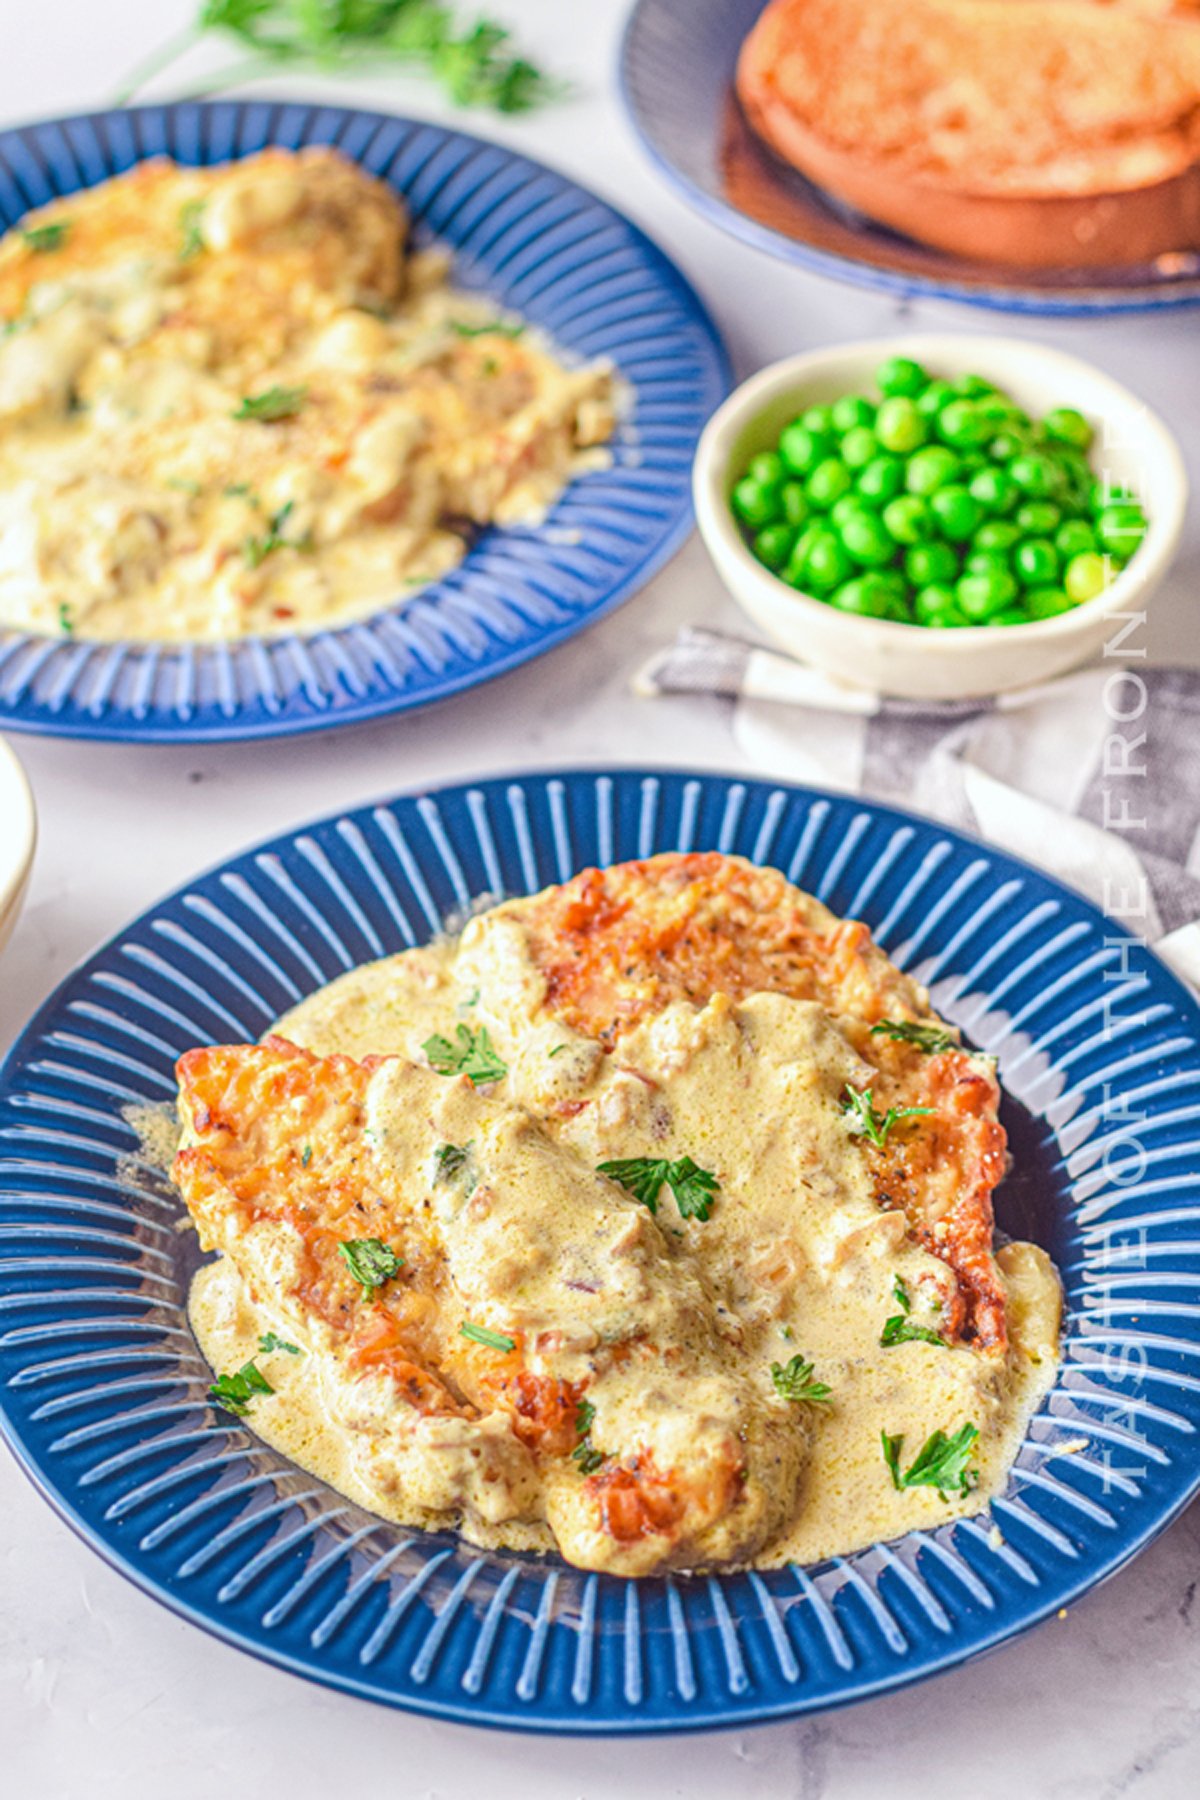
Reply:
x=939, y=517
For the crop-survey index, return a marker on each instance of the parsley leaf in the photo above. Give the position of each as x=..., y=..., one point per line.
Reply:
x=451, y=1160
x=268, y=1342
x=491, y=1340
x=273, y=404
x=46, y=237
x=644, y=1176
x=66, y=623
x=235, y=1392
x=306, y=1156
x=942, y=1462
x=864, y=1121
x=794, y=1381
x=494, y=328
x=930, y=1038
x=899, y=1329
x=471, y=1054
x=191, y=238
x=585, y=1452
x=255, y=549
x=370, y=1261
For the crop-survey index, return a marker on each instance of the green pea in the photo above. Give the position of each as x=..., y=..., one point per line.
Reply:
x=1007, y=444
x=754, y=504
x=1038, y=518
x=767, y=469
x=881, y=479
x=973, y=387
x=849, y=411
x=935, y=396
x=827, y=483
x=819, y=420
x=893, y=580
x=793, y=503
x=929, y=565
x=1046, y=602
x=863, y=596
x=1035, y=561
x=982, y=562
x=826, y=564
x=899, y=426
x=1037, y=474
x=974, y=462
x=1066, y=426
x=909, y=519
x=801, y=449
x=962, y=425
x=773, y=545
x=957, y=512
x=996, y=534
x=979, y=596
x=1012, y=615
x=1001, y=411
x=845, y=508
x=1106, y=493
x=1085, y=577
x=930, y=469
x=859, y=447
x=1074, y=537
x=901, y=375
x=1121, y=529
x=932, y=602
x=867, y=540
x=995, y=490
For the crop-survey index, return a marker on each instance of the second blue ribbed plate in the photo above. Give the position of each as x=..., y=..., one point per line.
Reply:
x=103, y=1394
x=535, y=242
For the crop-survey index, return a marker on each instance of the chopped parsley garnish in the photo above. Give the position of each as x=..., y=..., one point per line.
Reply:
x=864, y=1121
x=370, y=1261
x=451, y=1160
x=794, y=1381
x=66, y=623
x=235, y=1392
x=930, y=1038
x=941, y=1464
x=46, y=237
x=268, y=1342
x=256, y=549
x=241, y=490
x=494, y=328
x=491, y=1340
x=558, y=1049
x=191, y=238
x=643, y=1177
x=585, y=1452
x=470, y=1054
x=273, y=404
x=183, y=485
x=306, y=1156
x=899, y=1329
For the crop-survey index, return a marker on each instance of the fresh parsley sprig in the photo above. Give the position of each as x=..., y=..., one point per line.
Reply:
x=470, y=1053
x=472, y=63
x=794, y=1381
x=483, y=1334
x=257, y=549
x=585, y=1452
x=863, y=1120
x=371, y=1262
x=273, y=404
x=930, y=1038
x=942, y=1463
x=52, y=236
x=235, y=1392
x=899, y=1329
x=268, y=1342
x=645, y=1176
x=451, y=1160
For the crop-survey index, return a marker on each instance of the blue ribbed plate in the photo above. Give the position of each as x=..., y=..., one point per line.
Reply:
x=103, y=1390
x=535, y=242
x=676, y=71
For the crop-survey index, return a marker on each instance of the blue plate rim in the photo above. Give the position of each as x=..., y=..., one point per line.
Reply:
x=124, y=728
x=426, y=1703
x=1101, y=303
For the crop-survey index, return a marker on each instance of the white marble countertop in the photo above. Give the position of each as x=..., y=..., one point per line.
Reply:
x=105, y=1694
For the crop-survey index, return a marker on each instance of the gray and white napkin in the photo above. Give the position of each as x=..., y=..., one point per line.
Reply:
x=1094, y=777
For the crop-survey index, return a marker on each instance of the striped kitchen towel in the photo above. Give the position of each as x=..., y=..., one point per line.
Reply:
x=1094, y=777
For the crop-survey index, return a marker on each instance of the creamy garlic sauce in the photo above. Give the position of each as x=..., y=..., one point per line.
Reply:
x=136, y=502
x=796, y=1258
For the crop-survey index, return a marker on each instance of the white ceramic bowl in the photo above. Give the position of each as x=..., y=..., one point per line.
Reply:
x=18, y=834
x=1132, y=448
